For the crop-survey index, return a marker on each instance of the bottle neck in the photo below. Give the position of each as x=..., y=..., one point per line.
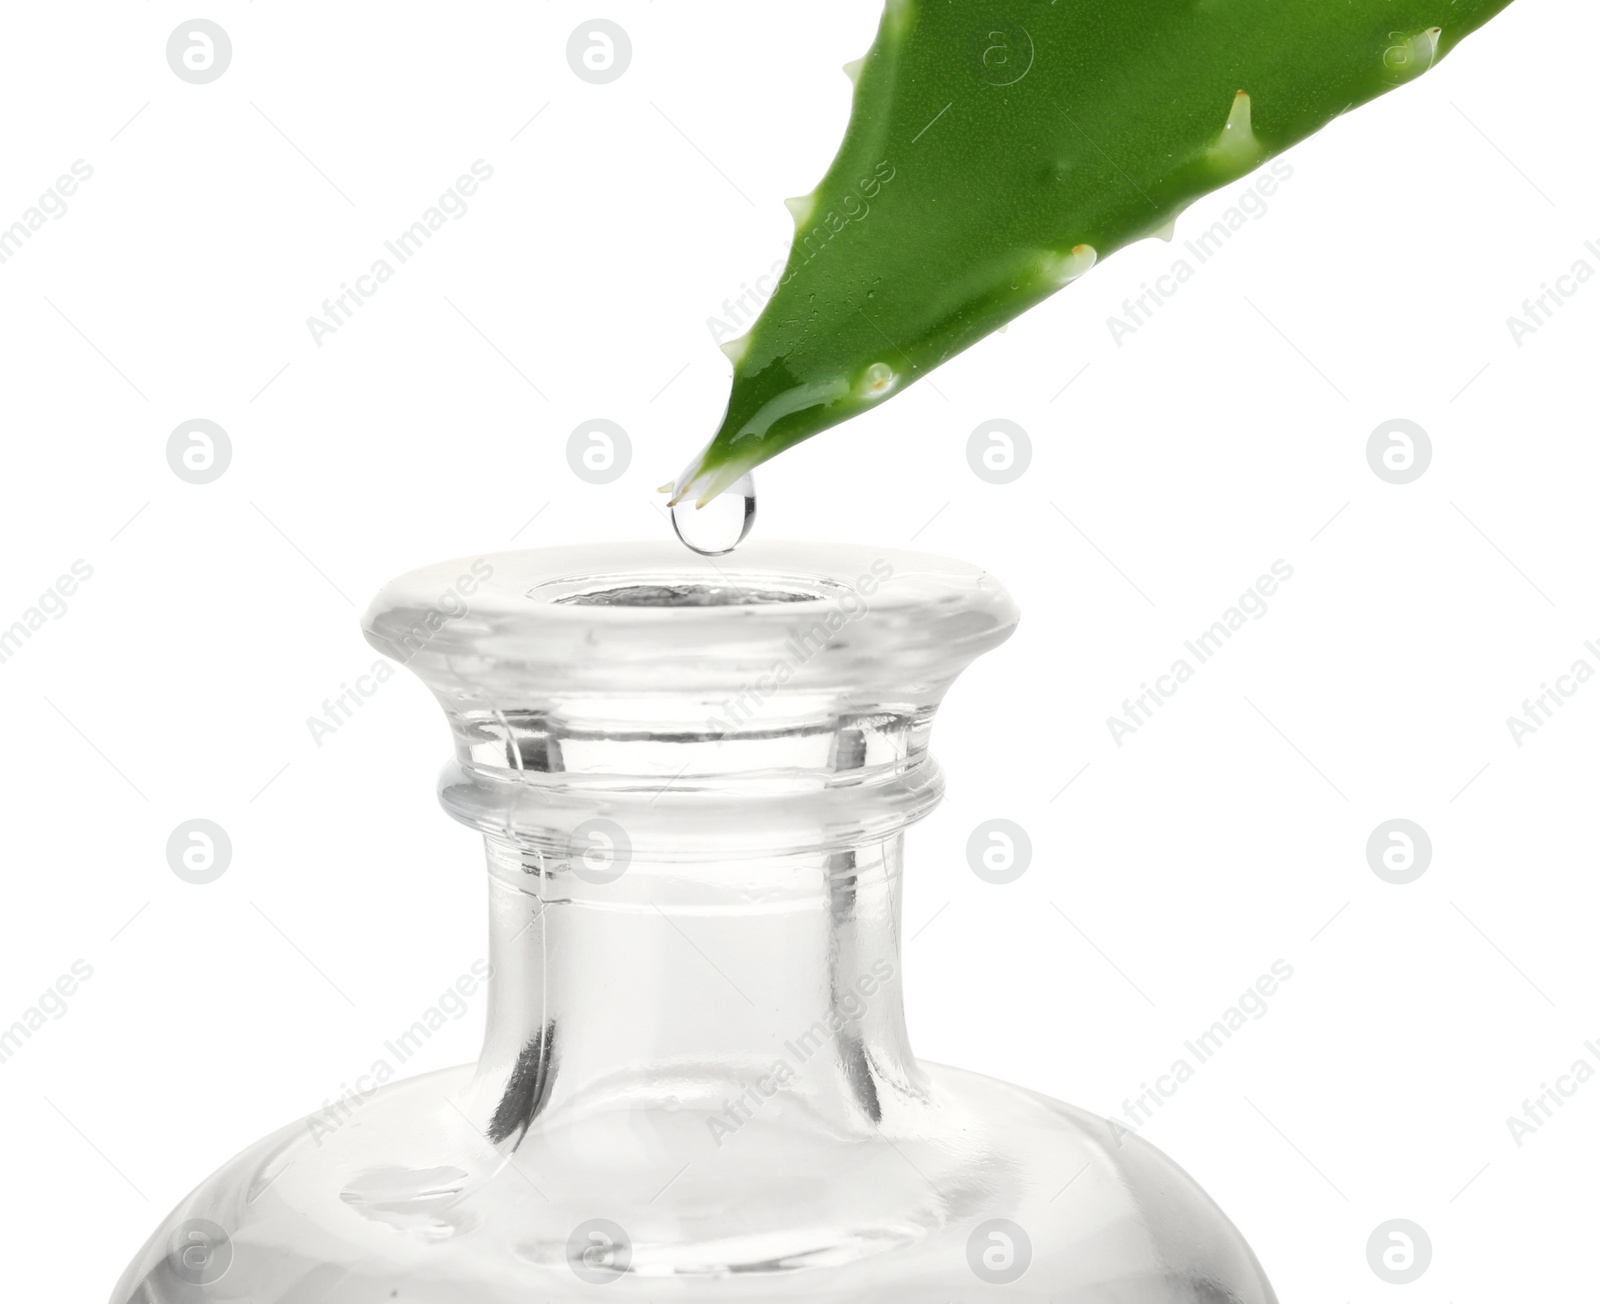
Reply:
x=725, y=988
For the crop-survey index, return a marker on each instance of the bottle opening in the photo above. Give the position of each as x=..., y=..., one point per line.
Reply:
x=684, y=595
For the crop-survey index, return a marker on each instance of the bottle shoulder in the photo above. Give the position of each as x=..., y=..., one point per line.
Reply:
x=963, y=1181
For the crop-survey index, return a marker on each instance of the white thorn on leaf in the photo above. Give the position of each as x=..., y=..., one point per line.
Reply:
x=1237, y=146
x=1430, y=41
x=736, y=349
x=1166, y=232
x=878, y=381
x=1062, y=268
x=800, y=208
x=1410, y=56
x=852, y=70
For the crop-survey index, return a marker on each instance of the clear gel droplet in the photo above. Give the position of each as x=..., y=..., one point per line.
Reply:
x=721, y=525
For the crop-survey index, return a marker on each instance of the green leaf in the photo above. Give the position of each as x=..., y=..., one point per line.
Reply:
x=997, y=151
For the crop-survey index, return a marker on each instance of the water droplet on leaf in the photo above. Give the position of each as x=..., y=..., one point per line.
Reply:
x=721, y=525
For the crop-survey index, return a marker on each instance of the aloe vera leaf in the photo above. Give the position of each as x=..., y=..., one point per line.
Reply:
x=996, y=151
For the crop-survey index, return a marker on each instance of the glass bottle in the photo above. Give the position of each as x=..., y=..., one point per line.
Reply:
x=693, y=777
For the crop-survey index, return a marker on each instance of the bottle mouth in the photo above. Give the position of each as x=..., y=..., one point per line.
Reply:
x=776, y=636
x=616, y=591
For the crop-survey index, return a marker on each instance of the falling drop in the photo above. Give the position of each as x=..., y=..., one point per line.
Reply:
x=719, y=526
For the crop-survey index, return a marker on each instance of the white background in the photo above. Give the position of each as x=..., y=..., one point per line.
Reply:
x=1227, y=433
